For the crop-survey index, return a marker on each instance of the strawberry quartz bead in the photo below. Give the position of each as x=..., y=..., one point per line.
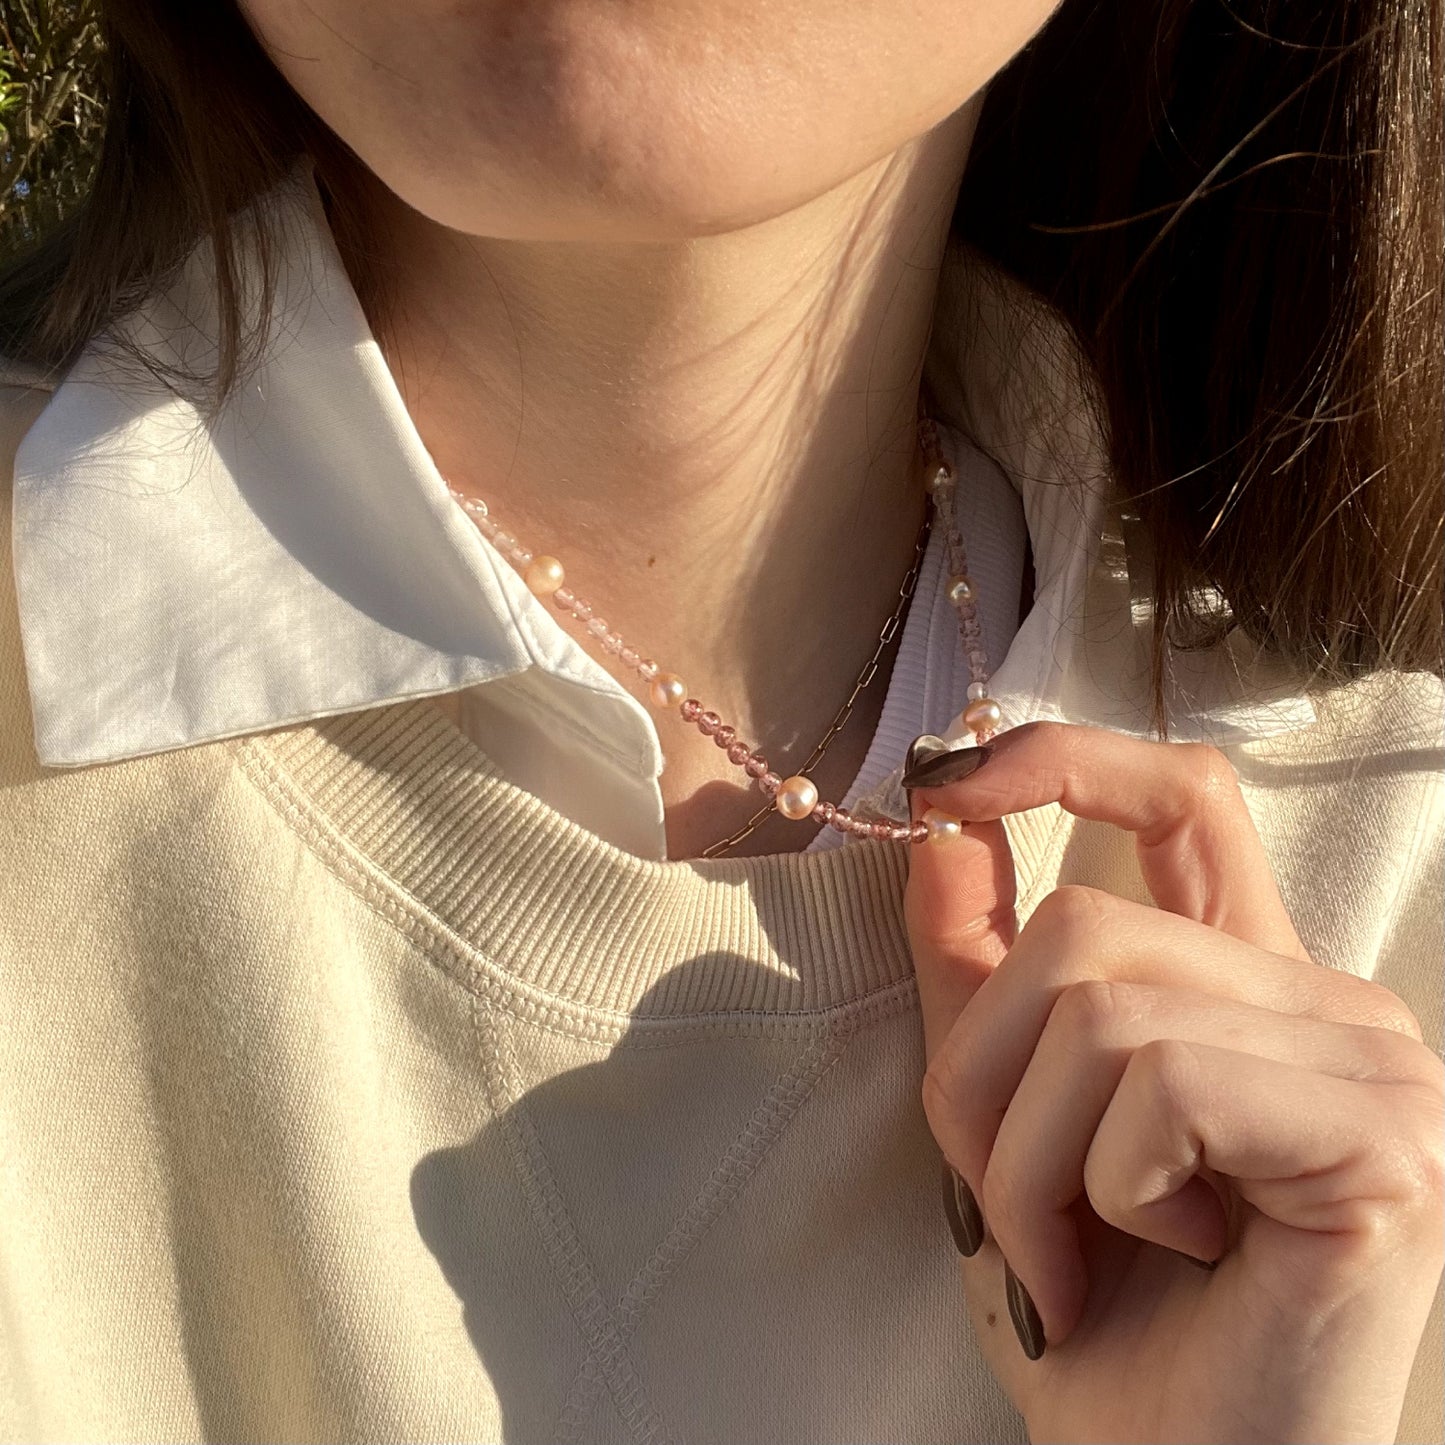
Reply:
x=691, y=710
x=709, y=722
x=757, y=765
x=738, y=753
x=724, y=736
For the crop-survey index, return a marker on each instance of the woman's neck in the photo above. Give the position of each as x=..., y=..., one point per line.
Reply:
x=715, y=435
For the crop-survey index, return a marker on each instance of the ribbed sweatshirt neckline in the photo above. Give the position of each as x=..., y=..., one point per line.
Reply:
x=558, y=910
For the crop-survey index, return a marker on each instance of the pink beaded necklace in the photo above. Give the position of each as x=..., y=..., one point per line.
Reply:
x=794, y=797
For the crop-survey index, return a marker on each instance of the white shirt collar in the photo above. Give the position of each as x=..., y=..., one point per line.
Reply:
x=181, y=582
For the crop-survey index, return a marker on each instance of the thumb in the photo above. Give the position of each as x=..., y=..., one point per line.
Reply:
x=958, y=907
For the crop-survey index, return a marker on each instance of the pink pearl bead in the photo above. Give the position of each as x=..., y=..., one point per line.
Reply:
x=691, y=710
x=983, y=712
x=943, y=827
x=544, y=575
x=797, y=797
x=709, y=722
x=668, y=691
x=724, y=736
x=960, y=589
x=757, y=765
x=977, y=690
x=738, y=753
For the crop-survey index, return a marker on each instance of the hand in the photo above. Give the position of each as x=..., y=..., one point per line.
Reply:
x=1127, y=1089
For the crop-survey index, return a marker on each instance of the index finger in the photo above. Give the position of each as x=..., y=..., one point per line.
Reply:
x=1199, y=852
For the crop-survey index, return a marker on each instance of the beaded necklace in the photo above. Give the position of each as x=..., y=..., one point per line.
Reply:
x=795, y=796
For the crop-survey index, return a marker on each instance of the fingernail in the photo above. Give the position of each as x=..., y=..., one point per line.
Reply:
x=936, y=769
x=925, y=745
x=1027, y=1324
x=964, y=1218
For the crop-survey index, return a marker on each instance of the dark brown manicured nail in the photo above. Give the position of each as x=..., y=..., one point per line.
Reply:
x=1027, y=1324
x=925, y=745
x=964, y=1218
x=947, y=767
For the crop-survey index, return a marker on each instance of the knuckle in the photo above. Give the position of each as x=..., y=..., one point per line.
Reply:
x=1102, y=1189
x=1397, y=1015
x=1170, y=1067
x=1213, y=779
x=1095, y=1010
x=1425, y=1155
x=1403, y=1196
x=1073, y=912
x=1374, y=1004
x=1370, y=1231
x=1399, y=1057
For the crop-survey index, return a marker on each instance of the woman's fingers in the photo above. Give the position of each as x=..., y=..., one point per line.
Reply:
x=1078, y=935
x=959, y=912
x=1355, y=1165
x=1198, y=850
x=1036, y=1168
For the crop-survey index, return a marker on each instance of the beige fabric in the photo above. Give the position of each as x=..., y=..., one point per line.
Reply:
x=348, y=1092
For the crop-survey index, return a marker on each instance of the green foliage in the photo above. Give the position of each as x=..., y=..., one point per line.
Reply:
x=51, y=113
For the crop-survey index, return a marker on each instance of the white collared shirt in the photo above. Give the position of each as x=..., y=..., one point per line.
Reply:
x=182, y=581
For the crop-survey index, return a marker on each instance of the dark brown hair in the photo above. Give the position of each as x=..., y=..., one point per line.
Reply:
x=1237, y=208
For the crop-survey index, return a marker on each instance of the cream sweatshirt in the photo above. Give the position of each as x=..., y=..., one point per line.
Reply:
x=350, y=1092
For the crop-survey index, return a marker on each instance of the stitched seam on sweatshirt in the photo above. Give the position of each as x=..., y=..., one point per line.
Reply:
x=559, y=1235
x=741, y=1161
x=475, y=970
